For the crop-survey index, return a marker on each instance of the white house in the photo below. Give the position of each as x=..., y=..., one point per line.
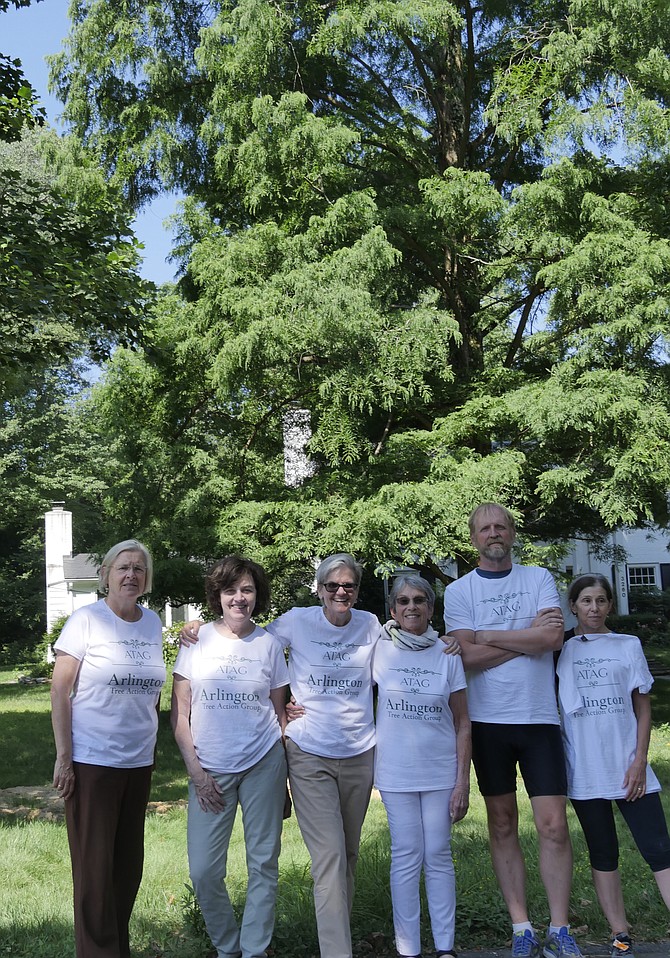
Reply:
x=644, y=562
x=72, y=580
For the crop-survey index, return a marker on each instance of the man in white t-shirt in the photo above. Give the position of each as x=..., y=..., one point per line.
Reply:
x=508, y=621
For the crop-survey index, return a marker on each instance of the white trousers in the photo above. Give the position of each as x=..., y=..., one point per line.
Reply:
x=260, y=791
x=420, y=829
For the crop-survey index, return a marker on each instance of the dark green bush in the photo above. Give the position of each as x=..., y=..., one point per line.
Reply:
x=649, y=616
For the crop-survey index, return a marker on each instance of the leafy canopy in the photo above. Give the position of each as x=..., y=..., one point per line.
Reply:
x=441, y=228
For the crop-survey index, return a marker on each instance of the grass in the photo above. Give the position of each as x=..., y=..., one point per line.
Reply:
x=35, y=883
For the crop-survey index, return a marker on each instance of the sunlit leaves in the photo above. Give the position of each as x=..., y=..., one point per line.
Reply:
x=442, y=229
x=68, y=280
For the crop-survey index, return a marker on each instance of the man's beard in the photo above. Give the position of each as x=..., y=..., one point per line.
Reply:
x=497, y=550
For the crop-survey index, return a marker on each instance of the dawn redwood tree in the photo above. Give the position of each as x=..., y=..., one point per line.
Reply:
x=441, y=228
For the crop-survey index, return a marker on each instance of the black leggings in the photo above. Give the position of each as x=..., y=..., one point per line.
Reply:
x=647, y=825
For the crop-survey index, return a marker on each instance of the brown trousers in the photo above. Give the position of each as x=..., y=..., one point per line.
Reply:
x=105, y=828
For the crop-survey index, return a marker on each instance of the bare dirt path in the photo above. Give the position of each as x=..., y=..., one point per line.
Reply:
x=31, y=802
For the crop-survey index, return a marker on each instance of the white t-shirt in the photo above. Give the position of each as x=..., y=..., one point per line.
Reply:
x=233, y=721
x=330, y=668
x=596, y=681
x=114, y=702
x=416, y=739
x=520, y=691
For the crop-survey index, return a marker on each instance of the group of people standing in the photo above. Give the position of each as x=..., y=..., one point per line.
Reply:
x=239, y=736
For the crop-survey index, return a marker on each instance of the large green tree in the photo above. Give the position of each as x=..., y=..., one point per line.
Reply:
x=69, y=291
x=441, y=228
x=47, y=453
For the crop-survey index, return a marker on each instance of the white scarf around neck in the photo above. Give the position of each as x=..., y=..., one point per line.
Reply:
x=402, y=639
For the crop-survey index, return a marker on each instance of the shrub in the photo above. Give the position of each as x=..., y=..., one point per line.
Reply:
x=192, y=915
x=171, y=644
x=43, y=657
x=646, y=625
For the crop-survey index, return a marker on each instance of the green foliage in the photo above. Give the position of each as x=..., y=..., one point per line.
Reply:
x=69, y=291
x=68, y=280
x=171, y=645
x=649, y=616
x=442, y=229
x=45, y=453
x=43, y=651
x=54, y=632
x=193, y=917
x=18, y=100
x=650, y=600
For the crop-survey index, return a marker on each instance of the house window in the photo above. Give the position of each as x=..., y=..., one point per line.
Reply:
x=641, y=576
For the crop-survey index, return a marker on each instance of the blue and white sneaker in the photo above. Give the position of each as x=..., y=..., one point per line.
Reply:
x=525, y=945
x=561, y=945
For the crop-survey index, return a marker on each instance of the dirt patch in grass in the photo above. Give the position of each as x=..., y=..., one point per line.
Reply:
x=31, y=802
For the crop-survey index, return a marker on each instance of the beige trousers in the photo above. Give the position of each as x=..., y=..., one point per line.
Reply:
x=330, y=797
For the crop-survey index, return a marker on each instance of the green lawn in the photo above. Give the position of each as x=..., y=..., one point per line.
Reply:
x=35, y=890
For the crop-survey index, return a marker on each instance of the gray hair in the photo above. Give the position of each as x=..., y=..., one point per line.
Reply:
x=413, y=582
x=128, y=545
x=331, y=563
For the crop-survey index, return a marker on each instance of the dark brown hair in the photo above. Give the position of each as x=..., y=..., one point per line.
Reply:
x=227, y=572
x=587, y=581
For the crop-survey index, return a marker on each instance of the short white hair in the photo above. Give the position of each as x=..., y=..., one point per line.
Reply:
x=128, y=545
x=331, y=563
x=411, y=581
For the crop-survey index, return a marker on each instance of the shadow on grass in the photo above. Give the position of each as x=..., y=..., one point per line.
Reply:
x=660, y=701
x=48, y=939
x=55, y=939
x=28, y=749
x=169, y=782
x=14, y=690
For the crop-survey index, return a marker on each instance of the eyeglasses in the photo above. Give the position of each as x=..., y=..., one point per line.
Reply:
x=332, y=587
x=125, y=569
x=418, y=600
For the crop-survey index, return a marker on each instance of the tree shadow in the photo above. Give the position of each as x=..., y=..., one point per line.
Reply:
x=660, y=701
x=28, y=749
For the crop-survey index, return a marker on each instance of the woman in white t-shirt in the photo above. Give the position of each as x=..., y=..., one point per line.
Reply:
x=228, y=715
x=105, y=695
x=330, y=744
x=422, y=765
x=604, y=684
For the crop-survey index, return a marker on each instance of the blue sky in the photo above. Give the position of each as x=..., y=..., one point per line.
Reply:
x=30, y=35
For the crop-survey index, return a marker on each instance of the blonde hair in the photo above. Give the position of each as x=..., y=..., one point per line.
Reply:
x=485, y=507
